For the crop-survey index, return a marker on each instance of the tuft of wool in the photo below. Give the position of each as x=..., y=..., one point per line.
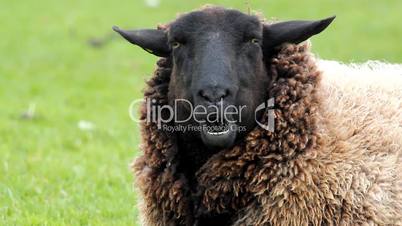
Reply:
x=333, y=159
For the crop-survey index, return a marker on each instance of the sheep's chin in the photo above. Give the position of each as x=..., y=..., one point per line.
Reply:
x=219, y=139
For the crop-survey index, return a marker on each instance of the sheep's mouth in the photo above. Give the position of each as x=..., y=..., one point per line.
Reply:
x=221, y=135
x=218, y=133
x=217, y=129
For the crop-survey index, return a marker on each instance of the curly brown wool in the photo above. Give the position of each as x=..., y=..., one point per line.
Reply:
x=310, y=171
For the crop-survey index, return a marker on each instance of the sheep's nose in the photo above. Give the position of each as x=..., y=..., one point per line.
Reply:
x=213, y=95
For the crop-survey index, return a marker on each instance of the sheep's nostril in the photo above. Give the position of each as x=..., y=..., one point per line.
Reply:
x=221, y=94
x=225, y=93
x=204, y=95
x=213, y=95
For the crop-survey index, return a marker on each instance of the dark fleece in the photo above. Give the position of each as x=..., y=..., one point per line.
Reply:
x=232, y=179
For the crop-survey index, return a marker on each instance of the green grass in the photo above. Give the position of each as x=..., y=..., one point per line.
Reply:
x=53, y=173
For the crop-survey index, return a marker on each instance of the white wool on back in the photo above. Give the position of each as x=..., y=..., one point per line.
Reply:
x=368, y=73
x=362, y=113
x=372, y=87
x=363, y=96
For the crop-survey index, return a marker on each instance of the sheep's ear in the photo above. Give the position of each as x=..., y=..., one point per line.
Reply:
x=151, y=40
x=295, y=31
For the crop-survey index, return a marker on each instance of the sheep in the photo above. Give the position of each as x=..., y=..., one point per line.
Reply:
x=333, y=157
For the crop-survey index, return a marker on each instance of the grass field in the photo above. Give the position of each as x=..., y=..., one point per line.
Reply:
x=66, y=82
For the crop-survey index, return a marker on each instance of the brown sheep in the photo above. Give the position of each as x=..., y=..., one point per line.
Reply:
x=333, y=158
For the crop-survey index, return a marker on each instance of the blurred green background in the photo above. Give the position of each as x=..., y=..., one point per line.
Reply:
x=66, y=82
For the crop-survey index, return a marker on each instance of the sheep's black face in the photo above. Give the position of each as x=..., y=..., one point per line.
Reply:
x=219, y=67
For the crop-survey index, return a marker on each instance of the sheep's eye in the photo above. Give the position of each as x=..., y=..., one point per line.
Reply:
x=254, y=41
x=175, y=45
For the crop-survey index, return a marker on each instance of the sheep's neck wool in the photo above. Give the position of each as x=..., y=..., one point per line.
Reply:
x=268, y=178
